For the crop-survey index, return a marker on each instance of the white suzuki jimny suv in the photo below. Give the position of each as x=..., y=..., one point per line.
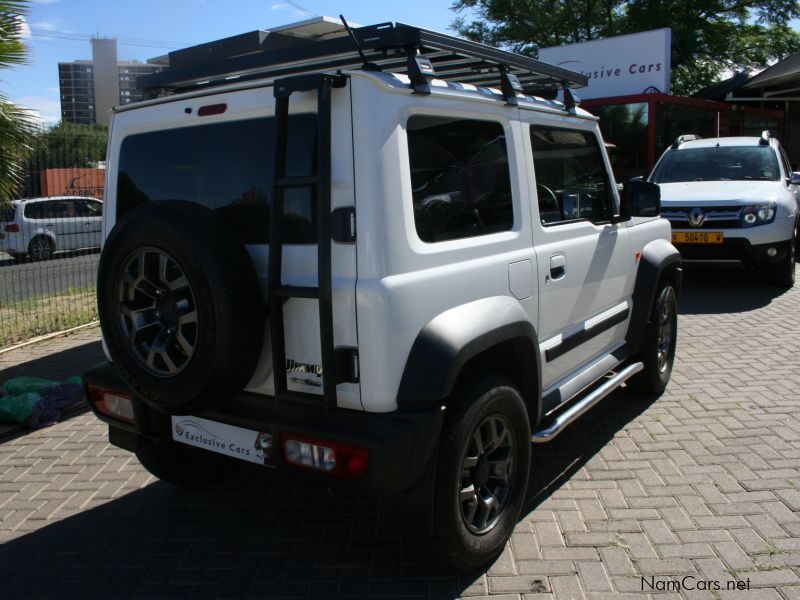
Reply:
x=376, y=259
x=732, y=199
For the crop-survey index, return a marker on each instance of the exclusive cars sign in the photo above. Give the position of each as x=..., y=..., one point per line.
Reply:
x=618, y=66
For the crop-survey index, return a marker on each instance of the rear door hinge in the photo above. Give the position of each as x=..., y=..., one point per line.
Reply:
x=347, y=367
x=343, y=225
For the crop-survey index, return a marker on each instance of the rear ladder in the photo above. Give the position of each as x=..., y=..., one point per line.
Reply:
x=334, y=362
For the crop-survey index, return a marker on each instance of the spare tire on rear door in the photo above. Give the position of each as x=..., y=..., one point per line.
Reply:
x=180, y=306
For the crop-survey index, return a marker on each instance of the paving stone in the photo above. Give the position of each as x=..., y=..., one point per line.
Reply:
x=704, y=481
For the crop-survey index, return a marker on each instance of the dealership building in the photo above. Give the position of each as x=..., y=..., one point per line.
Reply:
x=629, y=90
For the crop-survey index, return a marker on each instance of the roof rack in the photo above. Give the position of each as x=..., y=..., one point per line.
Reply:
x=421, y=54
x=686, y=137
x=766, y=136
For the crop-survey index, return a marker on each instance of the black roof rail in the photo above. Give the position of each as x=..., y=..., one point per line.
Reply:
x=766, y=136
x=396, y=48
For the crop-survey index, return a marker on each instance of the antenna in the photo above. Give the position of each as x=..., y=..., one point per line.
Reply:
x=367, y=66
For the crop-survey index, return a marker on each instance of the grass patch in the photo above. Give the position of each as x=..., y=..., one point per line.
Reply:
x=23, y=320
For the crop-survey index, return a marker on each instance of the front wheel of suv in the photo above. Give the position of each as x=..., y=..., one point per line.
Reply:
x=658, y=352
x=184, y=466
x=781, y=273
x=483, y=466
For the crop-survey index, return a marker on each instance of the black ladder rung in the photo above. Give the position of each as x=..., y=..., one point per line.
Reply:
x=295, y=291
x=301, y=398
x=296, y=182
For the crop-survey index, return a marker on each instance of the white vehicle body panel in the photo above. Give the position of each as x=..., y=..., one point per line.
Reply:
x=390, y=284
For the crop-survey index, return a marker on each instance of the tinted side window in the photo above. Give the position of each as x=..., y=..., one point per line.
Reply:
x=460, y=180
x=33, y=211
x=227, y=167
x=71, y=209
x=93, y=209
x=786, y=164
x=571, y=178
x=44, y=210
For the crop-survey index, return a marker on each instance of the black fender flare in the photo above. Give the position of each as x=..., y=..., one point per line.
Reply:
x=658, y=258
x=452, y=338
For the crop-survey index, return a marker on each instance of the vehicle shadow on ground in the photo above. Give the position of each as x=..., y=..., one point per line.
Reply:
x=261, y=535
x=57, y=366
x=557, y=461
x=710, y=290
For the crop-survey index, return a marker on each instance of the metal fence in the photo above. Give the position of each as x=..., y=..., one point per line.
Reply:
x=50, y=235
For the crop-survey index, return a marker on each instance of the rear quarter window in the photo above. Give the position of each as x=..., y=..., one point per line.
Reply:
x=43, y=210
x=460, y=180
x=227, y=167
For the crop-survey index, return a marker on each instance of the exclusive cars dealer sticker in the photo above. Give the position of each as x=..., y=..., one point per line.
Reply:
x=237, y=442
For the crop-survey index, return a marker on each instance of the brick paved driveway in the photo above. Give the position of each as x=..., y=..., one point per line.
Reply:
x=703, y=482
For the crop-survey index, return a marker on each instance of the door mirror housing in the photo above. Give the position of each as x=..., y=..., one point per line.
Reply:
x=640, y=199
x=794, y=179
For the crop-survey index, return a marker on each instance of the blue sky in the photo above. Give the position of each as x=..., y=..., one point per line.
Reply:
x=144, y=25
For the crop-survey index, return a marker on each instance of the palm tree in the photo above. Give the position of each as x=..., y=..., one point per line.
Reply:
x=16, y=123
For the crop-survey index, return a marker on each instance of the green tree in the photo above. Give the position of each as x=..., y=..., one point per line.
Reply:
x=16, y=123
x=708, y=36
x=65, y=145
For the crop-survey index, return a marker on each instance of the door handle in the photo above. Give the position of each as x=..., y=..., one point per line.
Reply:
x=558, y=266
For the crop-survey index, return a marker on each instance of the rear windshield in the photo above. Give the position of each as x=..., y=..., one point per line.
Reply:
x=7, y=214
x=227, y=167
x=720, y=163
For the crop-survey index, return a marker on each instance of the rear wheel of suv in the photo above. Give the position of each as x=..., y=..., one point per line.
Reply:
x=180, y=306
x=658, y=352
x=483, y=466
x=184, y=466
x=781, y=273
x=40, y=248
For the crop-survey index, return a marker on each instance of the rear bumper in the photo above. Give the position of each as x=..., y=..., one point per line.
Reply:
x=10, y=244
x=401, y=444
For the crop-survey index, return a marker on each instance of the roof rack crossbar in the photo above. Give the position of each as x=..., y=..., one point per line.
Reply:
x=396, y=47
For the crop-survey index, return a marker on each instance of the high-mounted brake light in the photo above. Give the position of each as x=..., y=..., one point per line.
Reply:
x=338, y=460
x=111, y=403
x=12, y=228
x=211, y=109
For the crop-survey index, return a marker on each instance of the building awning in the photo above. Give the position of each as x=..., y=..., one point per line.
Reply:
x=783, y=74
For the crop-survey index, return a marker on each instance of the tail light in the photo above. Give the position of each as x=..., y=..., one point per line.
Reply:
x=111, y=403
x=11, y=228
x=337, y=460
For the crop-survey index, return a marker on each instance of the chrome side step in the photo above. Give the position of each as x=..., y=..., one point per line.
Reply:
x=576, y=410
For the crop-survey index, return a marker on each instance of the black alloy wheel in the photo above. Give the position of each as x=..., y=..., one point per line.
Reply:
x=157, y=311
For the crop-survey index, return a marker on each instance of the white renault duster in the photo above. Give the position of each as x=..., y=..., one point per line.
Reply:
x=732, y=199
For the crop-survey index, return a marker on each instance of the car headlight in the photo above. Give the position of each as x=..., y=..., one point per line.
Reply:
x=758, y=214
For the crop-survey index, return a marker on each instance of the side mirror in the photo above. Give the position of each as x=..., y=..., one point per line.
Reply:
x=794, y=179
x=640, y=199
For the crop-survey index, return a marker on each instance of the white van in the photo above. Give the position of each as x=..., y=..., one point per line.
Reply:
x=37, y=228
